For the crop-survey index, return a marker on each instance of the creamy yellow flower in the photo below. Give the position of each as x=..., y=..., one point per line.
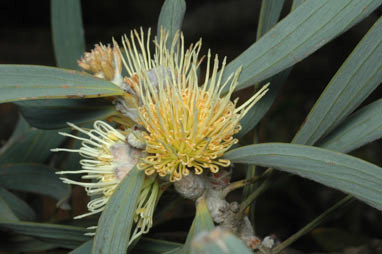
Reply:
x=186, y=126
x=107, y=160
x=104, y=62
x=109, y=157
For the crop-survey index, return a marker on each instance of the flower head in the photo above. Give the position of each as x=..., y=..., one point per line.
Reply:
x=108, y=159
x=104, y=62
x=187, y=126
x=110, y=154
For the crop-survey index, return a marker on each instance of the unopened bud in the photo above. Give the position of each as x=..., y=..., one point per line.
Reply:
x=136, y=140
x=191, y=186
x=104, y=62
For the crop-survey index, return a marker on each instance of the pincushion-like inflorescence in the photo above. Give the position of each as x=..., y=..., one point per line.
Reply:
x=187, y=127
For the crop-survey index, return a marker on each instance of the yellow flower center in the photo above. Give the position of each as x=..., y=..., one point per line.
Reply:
x=188, y=129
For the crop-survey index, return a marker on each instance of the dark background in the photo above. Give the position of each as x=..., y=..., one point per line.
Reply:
x=228, y=27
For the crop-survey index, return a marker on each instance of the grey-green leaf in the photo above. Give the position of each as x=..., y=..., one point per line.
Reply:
x=296, y=3
x=218, y=241
x=30, y=82
x=256, y=113
x=84, y=248
x=354, y=81
x=6, y=212
x=59, y=235
x=54, y=114
x=362, y=127
x=178, y=250
x=28, y=144
x=171, y=18
x=337, y=170
x=34, y=178
x=310, y=26
x=115, y=224
x=269, y=15
x=68, y=32
x=18, y=206
x=202, y=223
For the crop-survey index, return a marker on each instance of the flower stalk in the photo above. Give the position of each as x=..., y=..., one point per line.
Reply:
x=243, y=183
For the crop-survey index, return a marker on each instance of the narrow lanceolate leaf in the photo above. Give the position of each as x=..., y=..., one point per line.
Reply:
x=218, y=241
x=18, y=206
x=269, y=15
x=296, y=3
x=54, y=114
x=362, y=127
x=340, y=171
x=59, y=235
x=256, y=113
x=303, y=31
x=68, y=32
x=202, y=223
x=84, y=248
x=171, y=18
x=153, y=246
x=354, y=81
x=30, y=82
x=28, y=144
x=178, y=250
x=6, y=212
x=114, y=226
x=35, y=178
